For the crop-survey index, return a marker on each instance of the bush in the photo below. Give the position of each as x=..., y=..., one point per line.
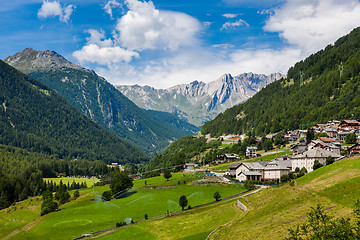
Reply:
x=317, y=165
x=106, y=196
x=189, y=207
x=350, y=138
x=217, y=196
x=284, y=178
x=183, y=202
x=76, y=194
x=48, y=206
x=329, y=160
x=249, y=185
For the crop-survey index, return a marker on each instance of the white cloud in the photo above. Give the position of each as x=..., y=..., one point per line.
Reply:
x=306, y=26
x=98, y=38
x=54, y=9
x=144, y=27
x=104, y=55
x=237, y=23
x=230, y=15
x=103, y=51
x=312, y=24
x=110, y=5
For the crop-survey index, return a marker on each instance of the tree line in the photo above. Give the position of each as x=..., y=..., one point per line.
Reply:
x=22, y=173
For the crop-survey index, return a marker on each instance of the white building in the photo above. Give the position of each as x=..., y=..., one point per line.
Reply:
x=308, y=158
x=251, y=152
x=262, y=170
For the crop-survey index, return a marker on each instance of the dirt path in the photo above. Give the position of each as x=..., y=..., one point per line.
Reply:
x=25, y=228
x=241, y=206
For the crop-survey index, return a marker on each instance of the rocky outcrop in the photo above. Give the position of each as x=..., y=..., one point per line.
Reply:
x=199, y=102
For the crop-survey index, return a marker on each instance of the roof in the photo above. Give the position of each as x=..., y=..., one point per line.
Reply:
x=253, y=165
x=280, y=165
x=325, y=139
x=250, y=173
x=350, y=122
x=234, y=165
x=252, y=148
x=229, y=155
x=316, y=153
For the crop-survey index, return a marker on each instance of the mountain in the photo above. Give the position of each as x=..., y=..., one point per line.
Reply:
x=324, y=86
x=100, y=101
x=199, y=102
x=36, y=118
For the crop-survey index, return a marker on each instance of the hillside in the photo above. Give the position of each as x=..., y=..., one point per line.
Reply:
x=199, y=102
x=271, y=212
x=36, y=118
x=324, y=86
x=100, y=101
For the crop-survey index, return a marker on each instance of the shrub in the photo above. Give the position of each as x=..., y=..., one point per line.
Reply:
x=317, y=165
x=183, y=202
x=217, y=196
x=106, y=195
x=76, y=194
x=249, y=185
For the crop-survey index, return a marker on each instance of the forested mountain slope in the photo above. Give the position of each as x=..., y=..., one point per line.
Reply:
x=322, y=87
x=36, y=118
x=100, y=101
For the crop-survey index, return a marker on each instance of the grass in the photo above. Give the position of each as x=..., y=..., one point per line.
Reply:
x=274, y=210
x=161, y=181
x=193, y=224
x=87, y=215
x=66, y=180
x=271, y=211
x=269, y=157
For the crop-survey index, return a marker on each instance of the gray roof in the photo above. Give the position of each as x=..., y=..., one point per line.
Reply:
x=253, y=148
x=253, y=165
x=316, y=153
x=250, y=173
x=278, y=166
x=234, y=165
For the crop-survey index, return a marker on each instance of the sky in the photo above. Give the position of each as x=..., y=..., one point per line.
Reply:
x=162, y=43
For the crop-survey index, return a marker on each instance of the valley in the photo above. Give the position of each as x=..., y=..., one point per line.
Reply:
x=191, y=120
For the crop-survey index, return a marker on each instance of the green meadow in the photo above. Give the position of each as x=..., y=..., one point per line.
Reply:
x=271, y=212
x=89, y=213
x=66, y=180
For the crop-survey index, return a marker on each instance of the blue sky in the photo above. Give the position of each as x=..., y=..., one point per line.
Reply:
x=163, y=43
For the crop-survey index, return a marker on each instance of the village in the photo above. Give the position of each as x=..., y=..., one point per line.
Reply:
x=307, y=155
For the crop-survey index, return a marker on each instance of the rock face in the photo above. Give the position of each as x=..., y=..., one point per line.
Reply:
x=199, y=102
x=151, y=131
x=29, y=60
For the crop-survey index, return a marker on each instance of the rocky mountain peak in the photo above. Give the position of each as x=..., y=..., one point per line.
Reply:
x=30, y=60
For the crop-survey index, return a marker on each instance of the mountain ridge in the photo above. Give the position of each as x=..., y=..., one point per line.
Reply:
x=322, y=87
x=36, y=118
x=100, y=101
x=198, y=101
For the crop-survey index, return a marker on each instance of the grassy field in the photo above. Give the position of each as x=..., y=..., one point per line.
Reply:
x=89, y=214
x=66, y=180
x=193, y=225
x=271, y=211
x=274, y=210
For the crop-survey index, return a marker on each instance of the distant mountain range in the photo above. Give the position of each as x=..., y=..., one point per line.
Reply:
x=199, y=102
x=36, y=118
x=151, y=131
